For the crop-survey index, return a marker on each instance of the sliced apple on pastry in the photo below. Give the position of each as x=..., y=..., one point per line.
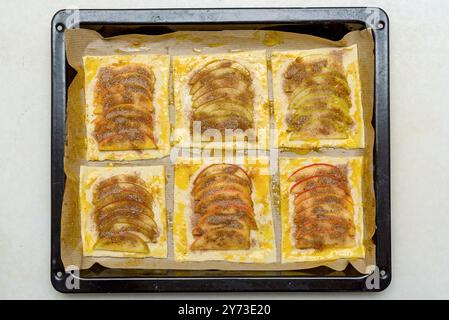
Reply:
x=221, y=195
x=222, y=96
x=144, y=226
x=315, y=169
x=323, y=208
x=223, y=238
x=124, y=108
x=123, y=208
x=122, y=242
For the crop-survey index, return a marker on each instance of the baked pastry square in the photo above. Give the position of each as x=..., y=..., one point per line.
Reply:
x=221, y=100
x=317, y=99
x=123, y=211
x=321, y=208
x=222, y=211
x=127, y=116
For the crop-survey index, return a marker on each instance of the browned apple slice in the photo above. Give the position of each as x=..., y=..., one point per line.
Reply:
x=227, y=109
x=121, y=178
x=112, y=190
x=117, y=224
x=227, y=80
x=123, y=208
x=232, y=208
x=106, y=126
x=128, y=195
x=338, y=190
x=226, y=194
x=318, y=201
x=111, y=100
x=313, y=232
x=323, y=126
x=127, y=139
x=123, y=242
x=216, y=65
x=130, y=109
x=107, y=73
x=217, y=74
x=325, y=211
x=132, y=78
x=205, y=181
x=103, y=216
x=244, y=98
x=223, y=239
x=209, y=222
x=230, y=122
x=315, y=169
x=315, y=181
x=220, y=185
x=331, y=78
x=223, y=168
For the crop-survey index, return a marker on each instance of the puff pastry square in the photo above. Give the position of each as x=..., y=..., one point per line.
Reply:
x=317, y=99
x=321, y=208
x=222, y=211
x=221, y=92
x=123, y=211
x=127, y=116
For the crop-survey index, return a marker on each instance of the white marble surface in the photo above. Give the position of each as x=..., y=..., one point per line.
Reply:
x=419, y=145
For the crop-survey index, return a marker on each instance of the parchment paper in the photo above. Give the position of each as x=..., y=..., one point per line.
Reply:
x=81, y=42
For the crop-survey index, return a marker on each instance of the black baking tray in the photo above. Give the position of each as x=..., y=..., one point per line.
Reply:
x=331, y=23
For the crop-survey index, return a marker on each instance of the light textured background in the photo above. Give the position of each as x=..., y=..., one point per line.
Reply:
x=419, y=145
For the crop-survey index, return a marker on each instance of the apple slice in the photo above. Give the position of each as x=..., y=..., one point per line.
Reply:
x=115, y=189
x=206, y=181
x=218, y=64
x=121, y=178
x=315, y=181
x=127, y=139
x=320, y=200
x=338, y=190
x=244, y=98
x=128, y=195
x=125, y=111
x=223, y=168
x=132, y=78
x=211, y=221
x=315, y=169
x=217, y=74
x=220, y=185
x=313, y=233
x=324, y=211
x=222, y=109
x=332, y=231
x=124, y=208
x=109, y=72
x=123, y=242
x=110, y=100
x=314, y=127
x=223, y=122
x=218, y=195
x=331, y=78
x=232, y=207
x=223, y=238
x=106, y=126
x=117, y=224
x=226, y=80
